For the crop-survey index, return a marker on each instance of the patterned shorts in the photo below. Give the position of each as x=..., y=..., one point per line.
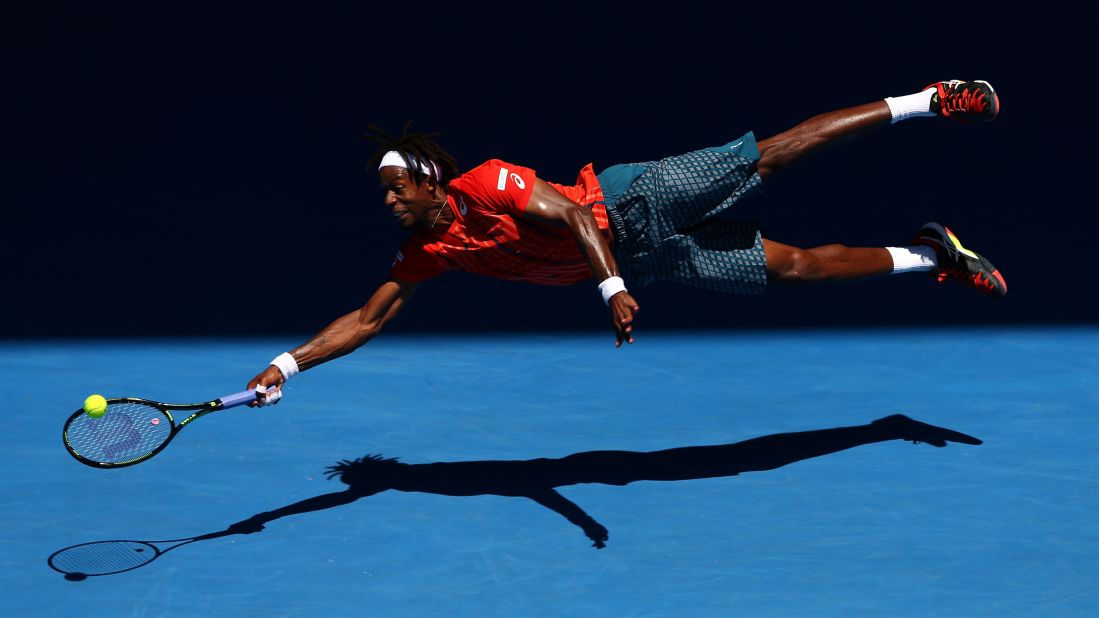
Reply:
x=664, y=215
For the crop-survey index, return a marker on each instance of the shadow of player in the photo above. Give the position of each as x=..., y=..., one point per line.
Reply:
x=537, y=479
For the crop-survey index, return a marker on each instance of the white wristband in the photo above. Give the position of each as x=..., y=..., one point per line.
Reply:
x=286, y=364
x=610, y=287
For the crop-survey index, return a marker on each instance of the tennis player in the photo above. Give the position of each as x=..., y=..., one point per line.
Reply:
x=632, y=223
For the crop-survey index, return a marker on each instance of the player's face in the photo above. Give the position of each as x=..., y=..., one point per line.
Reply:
x=408, y=202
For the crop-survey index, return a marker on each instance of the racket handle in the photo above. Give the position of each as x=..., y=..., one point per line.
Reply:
x=238, y=399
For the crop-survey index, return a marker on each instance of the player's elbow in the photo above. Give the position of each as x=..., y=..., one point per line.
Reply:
x=367, y=327
x=370, y=330
x=578, y=217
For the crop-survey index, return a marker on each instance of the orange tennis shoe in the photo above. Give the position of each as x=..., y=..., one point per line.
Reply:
x=958, y=263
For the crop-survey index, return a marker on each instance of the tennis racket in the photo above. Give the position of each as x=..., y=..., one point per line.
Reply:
x=109, y=557
x=133, y=430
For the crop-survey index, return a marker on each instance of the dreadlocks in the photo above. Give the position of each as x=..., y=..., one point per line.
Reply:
x=363, y=469
x=413, y=147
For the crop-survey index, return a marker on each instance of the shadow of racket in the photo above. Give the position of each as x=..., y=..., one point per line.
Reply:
x=79, y=562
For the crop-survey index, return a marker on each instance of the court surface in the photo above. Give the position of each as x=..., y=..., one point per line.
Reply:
x=893, y=528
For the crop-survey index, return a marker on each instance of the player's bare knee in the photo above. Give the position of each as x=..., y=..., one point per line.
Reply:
x=798, y=266
x=773, y=157
x=785, y=149
x=830, y=252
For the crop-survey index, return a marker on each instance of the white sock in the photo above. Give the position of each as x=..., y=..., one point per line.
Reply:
x=911, y=106
x=913, y=259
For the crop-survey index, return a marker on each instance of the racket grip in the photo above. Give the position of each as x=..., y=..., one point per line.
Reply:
x=238, y=399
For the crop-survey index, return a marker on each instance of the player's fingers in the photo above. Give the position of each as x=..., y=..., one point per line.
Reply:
x=628, y=302
x=261, y=396
x=260, y=390
x=254, y=383
x=624, y=323
x=268, y=395
x=622, y=333
x=274, y=395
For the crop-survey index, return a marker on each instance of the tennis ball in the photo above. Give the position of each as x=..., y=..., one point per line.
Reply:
x=95, y=406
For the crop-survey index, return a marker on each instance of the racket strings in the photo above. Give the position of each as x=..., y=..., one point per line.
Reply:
x=125, y=432
x=103, y=557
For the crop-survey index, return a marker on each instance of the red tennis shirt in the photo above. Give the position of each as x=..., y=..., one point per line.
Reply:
x=491, y=237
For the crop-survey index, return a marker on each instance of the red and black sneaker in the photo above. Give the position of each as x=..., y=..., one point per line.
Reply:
x=965, y=101
x=957, y=262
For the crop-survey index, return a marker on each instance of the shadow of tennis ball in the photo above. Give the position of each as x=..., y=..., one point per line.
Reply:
x=75, y=577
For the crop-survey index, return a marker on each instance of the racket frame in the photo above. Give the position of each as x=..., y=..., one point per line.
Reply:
x=201, y=409
x=155, y=545
x=156, y=553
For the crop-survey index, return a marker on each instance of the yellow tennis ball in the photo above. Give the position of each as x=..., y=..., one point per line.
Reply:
x=95, y=406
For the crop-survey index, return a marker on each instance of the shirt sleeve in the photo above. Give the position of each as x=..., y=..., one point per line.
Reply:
x=413, y=263
x=499, y=186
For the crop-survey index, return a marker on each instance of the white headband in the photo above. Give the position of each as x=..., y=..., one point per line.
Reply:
x=394, y=158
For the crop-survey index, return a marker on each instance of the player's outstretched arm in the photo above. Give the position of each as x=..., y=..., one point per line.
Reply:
x=548, y=205
x=554, y=501
x=343, y=336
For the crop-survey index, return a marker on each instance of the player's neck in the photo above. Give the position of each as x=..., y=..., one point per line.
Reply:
x=441, y=220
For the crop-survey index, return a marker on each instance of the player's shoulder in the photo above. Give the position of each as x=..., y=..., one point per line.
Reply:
x=490, y=166
x=494, y=169
x=487, y=176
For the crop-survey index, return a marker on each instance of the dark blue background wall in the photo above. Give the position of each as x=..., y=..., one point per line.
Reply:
x=192, y=168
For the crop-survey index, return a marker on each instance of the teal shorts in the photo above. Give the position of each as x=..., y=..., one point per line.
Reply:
x=664, y=216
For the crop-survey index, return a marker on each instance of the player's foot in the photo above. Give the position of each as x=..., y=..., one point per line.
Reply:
x=957, y=262
x=965, y=101
x=905, y=428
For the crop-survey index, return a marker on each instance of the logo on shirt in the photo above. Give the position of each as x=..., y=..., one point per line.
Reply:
x=462, y=208
x=399, y=258
x=502, y=181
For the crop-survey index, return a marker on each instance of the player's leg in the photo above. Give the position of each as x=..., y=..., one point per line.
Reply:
x=789, y=264
x=732, y=256
x=829, y=129
x=754, y=455
x=936, y=250
x=958, y=100
x=777, y=450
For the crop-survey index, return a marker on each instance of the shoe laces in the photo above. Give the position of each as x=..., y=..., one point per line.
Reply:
x=978, y=280
x=964, y=98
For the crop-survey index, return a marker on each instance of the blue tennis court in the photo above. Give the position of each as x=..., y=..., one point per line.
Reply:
x=888, y=528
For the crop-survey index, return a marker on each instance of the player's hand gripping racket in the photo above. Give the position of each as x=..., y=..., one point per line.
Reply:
x=133, y=430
